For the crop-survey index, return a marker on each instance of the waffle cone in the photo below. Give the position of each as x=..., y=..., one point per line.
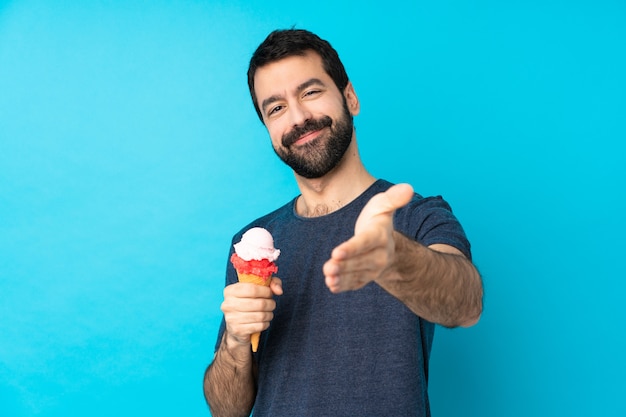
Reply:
x=254, y=279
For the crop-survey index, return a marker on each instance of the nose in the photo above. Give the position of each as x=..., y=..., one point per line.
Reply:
x=299, y=114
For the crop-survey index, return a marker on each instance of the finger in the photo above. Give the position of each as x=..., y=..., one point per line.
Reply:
x=243, y=322
x=374, y=261
x=247, y=290
x=276, y=285
x=399, y=195
x=349, y=282
x=364, y=241
x=234, y=301
x=243, y=326
x=249, y=319
x=354, y=272
x=337, y=265
x=387, y=202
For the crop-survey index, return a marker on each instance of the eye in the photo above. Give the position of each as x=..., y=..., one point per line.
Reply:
x=274, y=110
x=310, y=93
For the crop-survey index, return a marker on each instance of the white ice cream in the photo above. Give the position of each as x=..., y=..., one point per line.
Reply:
x=257, y=243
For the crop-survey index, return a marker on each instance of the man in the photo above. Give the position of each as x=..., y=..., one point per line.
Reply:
x=366, y=268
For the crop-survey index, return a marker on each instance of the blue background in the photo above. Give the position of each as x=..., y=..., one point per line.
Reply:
x=130, y=153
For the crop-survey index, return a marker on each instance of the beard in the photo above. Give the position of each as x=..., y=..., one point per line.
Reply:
x=321, y=155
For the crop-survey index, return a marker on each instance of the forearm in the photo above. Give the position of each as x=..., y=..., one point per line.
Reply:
x=229, y=382
x=443, y=288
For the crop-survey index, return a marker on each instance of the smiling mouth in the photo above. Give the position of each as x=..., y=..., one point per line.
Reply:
x=308, y=137
x=308, y=132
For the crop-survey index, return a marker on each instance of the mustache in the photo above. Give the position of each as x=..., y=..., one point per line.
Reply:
x=310, y=125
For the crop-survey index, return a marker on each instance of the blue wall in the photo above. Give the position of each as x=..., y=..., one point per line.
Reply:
x=129, y=154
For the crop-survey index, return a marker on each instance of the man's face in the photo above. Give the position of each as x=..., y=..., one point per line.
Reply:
x=307, y=117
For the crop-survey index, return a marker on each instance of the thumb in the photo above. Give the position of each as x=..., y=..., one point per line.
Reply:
x=387, y=202
x=276, y=285
x=399, y=195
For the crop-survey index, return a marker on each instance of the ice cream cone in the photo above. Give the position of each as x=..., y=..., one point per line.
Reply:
x=254, y=279
x=258, y=280
x=254, y=262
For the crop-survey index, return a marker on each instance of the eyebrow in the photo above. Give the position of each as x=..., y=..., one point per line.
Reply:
x=300, y=88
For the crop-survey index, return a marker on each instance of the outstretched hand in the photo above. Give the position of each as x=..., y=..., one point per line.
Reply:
x=371, y=251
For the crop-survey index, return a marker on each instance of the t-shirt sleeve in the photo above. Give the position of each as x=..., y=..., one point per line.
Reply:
x=430, y=221
x=231, y=278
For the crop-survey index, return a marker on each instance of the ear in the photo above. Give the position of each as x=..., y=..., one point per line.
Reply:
x=351, y=99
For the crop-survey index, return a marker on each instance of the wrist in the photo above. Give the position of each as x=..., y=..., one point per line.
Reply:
x=236, y=348
x=399, y=269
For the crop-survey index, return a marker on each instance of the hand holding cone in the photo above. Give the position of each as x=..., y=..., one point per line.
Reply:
x=254, y=279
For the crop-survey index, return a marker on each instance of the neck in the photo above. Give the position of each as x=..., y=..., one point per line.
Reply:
x=321, y=196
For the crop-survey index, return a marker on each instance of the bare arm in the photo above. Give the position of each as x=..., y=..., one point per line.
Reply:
x=438, y=283
x=230, y=380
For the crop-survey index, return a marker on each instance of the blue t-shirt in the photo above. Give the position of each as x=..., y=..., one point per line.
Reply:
x=358, y=353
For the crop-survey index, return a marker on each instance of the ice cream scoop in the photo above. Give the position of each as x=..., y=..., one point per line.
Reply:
x=257, y=243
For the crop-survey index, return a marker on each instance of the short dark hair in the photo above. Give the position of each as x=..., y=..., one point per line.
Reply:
x=295, y=42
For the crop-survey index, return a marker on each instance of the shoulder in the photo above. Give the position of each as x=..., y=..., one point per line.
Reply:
x=430, y=220
x=269, y=221
x=419, y=204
